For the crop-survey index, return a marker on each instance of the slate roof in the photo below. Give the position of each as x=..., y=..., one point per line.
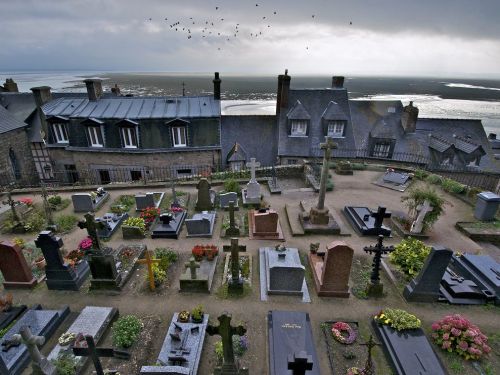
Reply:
x=334, y=112
x=298, y=112
x=8, y=122
x=315, y=102
x=237, y=153
x=135, y=107
x=439, y=144
x=467, y=145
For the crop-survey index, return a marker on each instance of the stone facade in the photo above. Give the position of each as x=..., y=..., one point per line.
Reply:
x=16, y=149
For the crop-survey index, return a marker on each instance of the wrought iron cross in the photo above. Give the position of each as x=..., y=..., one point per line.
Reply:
x=379, y=249
x=379, y=216
x=370, y=344
x=92, y=227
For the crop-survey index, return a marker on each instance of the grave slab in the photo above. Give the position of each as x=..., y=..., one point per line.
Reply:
x=150, y=199
x=204, y=277
x=7, y=317
x=460, y=291
x=92, y=321
x=409, y=352
x=362, y=220
x=225, y=198
x=201, y=225
x=83, y=202
x=289, y=332
x=398, y=181
x=42, y=323
x=170, y=229
x=181, y=349
x=112, y=222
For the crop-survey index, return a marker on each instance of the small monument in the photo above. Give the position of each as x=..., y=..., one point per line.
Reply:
x=367, y=222
x=201, y=224
x=375, y=288
x=226, y=198
x=39, y=363
x=169, y=225
x=233, y=230
x=15, y=270
x=206, y=197
x=264, y=225
x=235, y=284
x=251, y=194
x=226, y=332
x=331, y=272
x=150, y=199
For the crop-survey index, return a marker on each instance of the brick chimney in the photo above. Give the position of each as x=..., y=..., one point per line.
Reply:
x=409, y=118
x=94, y=88
x=278, y=94
x=42, y=95
x=216, y=82
x=10, y=85
x=285, y=90
x=337, y=82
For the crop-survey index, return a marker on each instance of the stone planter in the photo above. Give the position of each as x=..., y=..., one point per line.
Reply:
x=132, y=233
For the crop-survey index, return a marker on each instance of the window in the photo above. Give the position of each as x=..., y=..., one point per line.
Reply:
x=381, y=150
x=182, y=172
x=179, y=136
x=236, y=166
x=299, y=128
x=292, y=161
x=14, y=164
x=95, y=136
x=335, y=129
x=129, y=136
x=60, y=133
x=136, y=175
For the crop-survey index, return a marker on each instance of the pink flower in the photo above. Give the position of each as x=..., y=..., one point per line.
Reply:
x=446, y=344
x=436, y=327
x=486, y=348
x=463, y=345
x=446, y=336
x=455, y=332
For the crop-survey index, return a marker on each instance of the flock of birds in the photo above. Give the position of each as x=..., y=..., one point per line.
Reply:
x=220, y=29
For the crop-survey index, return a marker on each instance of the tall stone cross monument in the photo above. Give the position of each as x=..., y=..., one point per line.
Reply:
x=319, y=214
x=40, y=364
x=92, y=227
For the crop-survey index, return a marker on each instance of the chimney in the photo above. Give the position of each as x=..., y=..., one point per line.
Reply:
x=216, y=82
x=409, y=118
x=42, y=95
x=94, y=88
x=285, y=89
x=337, y=82
x=492, y=136
x=278, y=94
x=10, y=85
x=116, y=90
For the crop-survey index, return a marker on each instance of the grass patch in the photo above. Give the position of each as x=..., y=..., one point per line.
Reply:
x=125, y=201
x=66, y=223
x=224, y=293
x=361, y=272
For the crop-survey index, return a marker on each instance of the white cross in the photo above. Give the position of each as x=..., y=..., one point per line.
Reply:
x=252, y=164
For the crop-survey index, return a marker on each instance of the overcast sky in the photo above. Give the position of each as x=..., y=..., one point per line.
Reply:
x=459, y=38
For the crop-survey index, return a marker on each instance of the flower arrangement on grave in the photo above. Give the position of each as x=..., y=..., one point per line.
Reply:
x=211, y=252
x=398, y=319
x=126, y=331
x=184, y=316
x=67, y=338
x=55, y=200
x=456, y=334
x=198, y=252
x=6, y=302
x=314, y=247
x=26, y=201
x=149, y=214
x=93, y=195
x=85, y=244
x=197, y=314
x=354, y=371
x=100, y=191
x=74, y=257
x=159, y=275
x=338, y=330
x=19, y=242
x=137, y=222
x=175, y=209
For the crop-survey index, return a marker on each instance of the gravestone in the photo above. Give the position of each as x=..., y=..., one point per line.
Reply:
x=236, y=281
x=15, y=270
x=206, y=197
x=233, y=230
x=93, y=227
x=89, y=349
x=39, y=364
x=226, y=332
x=396, y=178
x=181, y=350
x=14, y=358
x=201, y=225
x=418, y=225
x=251, y=194
x=367, y=222
x=111, y=223
x=60, y=275
x=375, y=288
x=198, y=276
x=281, y=272
x=264, y=225
x=300, y=363
x=104, y=271
x=226, y=198
x=458, y=290
x=425, y=287
x=290, y=333
x=83, y=202
x=150, y=199
x=92, y=321
x=331, y=272
x=168, y=225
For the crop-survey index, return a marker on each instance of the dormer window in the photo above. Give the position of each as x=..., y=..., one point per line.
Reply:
x=129, y=136
x=299, y=128
x=179, y=136
x=335, y=129
x=60, y=132
x=95, y=136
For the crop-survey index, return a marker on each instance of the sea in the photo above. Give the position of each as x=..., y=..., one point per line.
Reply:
x=254, y=94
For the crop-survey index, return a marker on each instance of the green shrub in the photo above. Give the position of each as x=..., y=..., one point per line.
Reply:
x=127, y=201
x=55, y=200
x=417, y=197
x=409, y=255
x=358, y=166
x=232, y=185
x=35, y=222
x=398, y=319
x=65, y=223
x=126, y=331
x=434, y=179
x=420, y=174
x=167, y=256
x=329, y=185
x=137, y=222
x=65, y=364
x=159, y=274
x=452, y=186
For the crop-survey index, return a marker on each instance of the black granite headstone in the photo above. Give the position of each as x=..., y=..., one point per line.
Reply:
x=104, y=273
x=60, y=276
x=367, y=222
x=167, y=226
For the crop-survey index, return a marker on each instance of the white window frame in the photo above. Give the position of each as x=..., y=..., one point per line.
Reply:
x=381, y=150
x=60, y=132
x=177, y=133
x=299, y=128
x=335, y=129
x=93, y=133
x=128, y=133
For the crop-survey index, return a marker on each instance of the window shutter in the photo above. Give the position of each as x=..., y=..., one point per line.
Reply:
x=325, y=126
x=308, y=125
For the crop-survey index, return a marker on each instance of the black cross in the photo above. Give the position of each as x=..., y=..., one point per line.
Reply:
x=379, y=216
x=379, y=249
x=93, y=352
x=92, y=227
x=299, y=363
x=370, y=344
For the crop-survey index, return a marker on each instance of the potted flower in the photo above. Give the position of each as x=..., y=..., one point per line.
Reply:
x=67, y=339
x=197, y=314
x=211, y=252
x=85, y=244
x=183, y=316
x=198, y=252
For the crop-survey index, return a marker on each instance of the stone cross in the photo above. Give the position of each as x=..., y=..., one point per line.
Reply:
x=252, y=164
x=379, y=216
x=46, y=205
x=149, y=261
x=375, y=287
x=233, y=229
x=299, y=363
x=12, y=203
x=192, y=265
x=327, y=146
x=40, y=364
x=235, y=260
x=93, y=352
x=418, y=225
x=370, y=344
x=226, y=332
x=274, y=178
x=92, y=227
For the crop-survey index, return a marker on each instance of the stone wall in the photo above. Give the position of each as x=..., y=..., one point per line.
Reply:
x=17, y=140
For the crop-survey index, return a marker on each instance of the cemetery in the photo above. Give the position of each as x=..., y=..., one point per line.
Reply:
x=300, y=282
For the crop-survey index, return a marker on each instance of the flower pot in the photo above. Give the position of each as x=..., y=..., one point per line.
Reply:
x=40, y=263
x=184, y=316
x=198, y=321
